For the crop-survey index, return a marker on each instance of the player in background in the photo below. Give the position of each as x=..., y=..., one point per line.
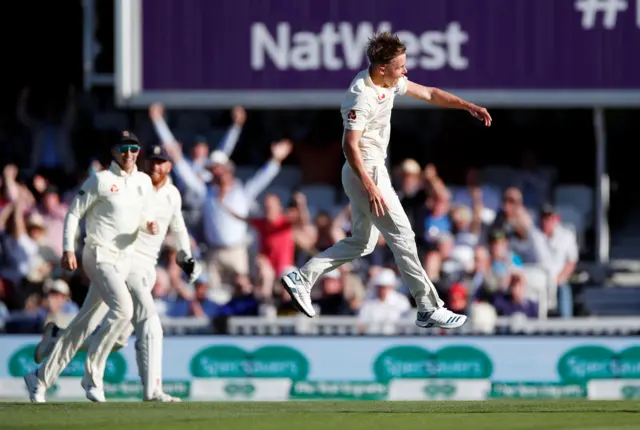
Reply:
x=375, y=207
x=146, y=322
x=117, y=204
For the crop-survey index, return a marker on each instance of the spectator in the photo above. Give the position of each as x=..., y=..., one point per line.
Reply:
x=469, y=195
x=225, y=235
x=332, y=299
x=199, y=306
x=51, y=151
x=243, y=301
x=503, y=261
x=53, y=212
x=514, y=301
x=560, y=258
x=434, y=219
x=58, y=307
x=385, y=306
x=511, y=208
x=411, y=190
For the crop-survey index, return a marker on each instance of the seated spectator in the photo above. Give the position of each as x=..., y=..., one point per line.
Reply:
x=411, y=188
x=560, y=258
x=243, y=301
x=503, y=260
x=514, y=301
x=384, y=306
x=434, y=219
x=160, y=292
x=199, y=305
x=441, y=266
x=467, y=225
x=58, y=306
x=482, y=282
x=332, y=299
x=508, y=214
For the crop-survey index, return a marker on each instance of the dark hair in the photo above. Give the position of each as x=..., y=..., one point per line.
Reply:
x=384, y=47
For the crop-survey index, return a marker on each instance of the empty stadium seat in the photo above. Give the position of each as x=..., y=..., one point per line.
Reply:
x=319, y=197
x=289, y=176
x=500, y=176
x=612, y=301
x=579, y=196
x=111, y=121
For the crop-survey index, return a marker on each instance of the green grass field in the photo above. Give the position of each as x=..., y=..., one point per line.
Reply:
x=512, y=415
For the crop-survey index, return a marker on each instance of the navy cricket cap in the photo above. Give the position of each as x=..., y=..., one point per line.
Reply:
x=126, y=137
x=157, y=152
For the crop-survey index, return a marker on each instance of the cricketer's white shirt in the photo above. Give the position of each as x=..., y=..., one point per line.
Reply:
x=367, y=107
x=116, y=206
x=167, y=207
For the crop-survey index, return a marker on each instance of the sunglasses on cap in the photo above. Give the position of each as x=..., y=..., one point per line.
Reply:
x=128, y=147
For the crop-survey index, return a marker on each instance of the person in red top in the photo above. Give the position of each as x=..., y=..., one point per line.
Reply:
x=275, y=231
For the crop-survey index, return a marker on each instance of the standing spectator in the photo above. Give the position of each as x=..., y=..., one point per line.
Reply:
x=53, y=212
x=51, y=152
x=225, y=235
x=411, y=189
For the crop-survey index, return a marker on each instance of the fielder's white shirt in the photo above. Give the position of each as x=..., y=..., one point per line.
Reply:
x=167, y=206
x=367, y=107
x=116, y=206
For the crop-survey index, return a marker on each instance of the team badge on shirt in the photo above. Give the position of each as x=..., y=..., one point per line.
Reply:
x=352, y=115
x=114, y=188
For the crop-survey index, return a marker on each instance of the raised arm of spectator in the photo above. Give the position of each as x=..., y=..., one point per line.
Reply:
x=478, y=206
x=11, y=188
x=19, y=224
x=261, y=180
x=23, y=111
x=231, y=137
x=304, y=217
x=184, y=172
x=156, y=113
x=5, y=214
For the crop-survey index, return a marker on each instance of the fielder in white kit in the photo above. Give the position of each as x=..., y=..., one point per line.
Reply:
x=146, y=322
x=375, y=207
x=117, y=204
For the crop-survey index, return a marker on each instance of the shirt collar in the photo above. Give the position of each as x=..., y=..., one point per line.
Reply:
x=381, y=93
x=117, y=170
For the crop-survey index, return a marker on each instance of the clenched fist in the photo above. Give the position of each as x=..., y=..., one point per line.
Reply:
x=153, y=228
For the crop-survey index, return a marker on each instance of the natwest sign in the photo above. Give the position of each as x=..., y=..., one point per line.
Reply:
x=342, y=45
x=292, y=53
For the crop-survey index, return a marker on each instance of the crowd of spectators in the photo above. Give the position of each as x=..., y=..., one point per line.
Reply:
x=481, y=245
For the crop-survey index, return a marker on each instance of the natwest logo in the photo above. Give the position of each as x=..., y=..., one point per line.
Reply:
x=342, y=46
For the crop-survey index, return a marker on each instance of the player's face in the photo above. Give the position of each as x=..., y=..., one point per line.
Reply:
x=158, y=170
x=395, y=70
x=126, y=155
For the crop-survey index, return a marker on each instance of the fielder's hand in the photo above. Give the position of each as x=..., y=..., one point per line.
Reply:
x=153, y=228
x=189, y=266
x=69, y=261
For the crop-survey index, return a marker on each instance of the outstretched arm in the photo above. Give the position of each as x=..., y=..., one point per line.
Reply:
x=444, y=99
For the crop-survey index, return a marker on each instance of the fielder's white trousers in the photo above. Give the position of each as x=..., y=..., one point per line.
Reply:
x=146, y=324
x=109, y=299
x=365, y=227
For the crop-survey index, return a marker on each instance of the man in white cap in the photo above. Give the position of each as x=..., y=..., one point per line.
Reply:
x=385, y=306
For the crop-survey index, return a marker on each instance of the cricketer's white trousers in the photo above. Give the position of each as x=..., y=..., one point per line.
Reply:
x=365, y=227
x=108, y=298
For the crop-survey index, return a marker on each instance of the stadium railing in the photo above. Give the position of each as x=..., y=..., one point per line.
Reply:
x=348, y=326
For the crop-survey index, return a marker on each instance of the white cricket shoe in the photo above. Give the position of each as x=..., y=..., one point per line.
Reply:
x=442, y=317
x=48, y=341
x=163, y=397
x=299, y=290
x=37, y=390
x=93, y=393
